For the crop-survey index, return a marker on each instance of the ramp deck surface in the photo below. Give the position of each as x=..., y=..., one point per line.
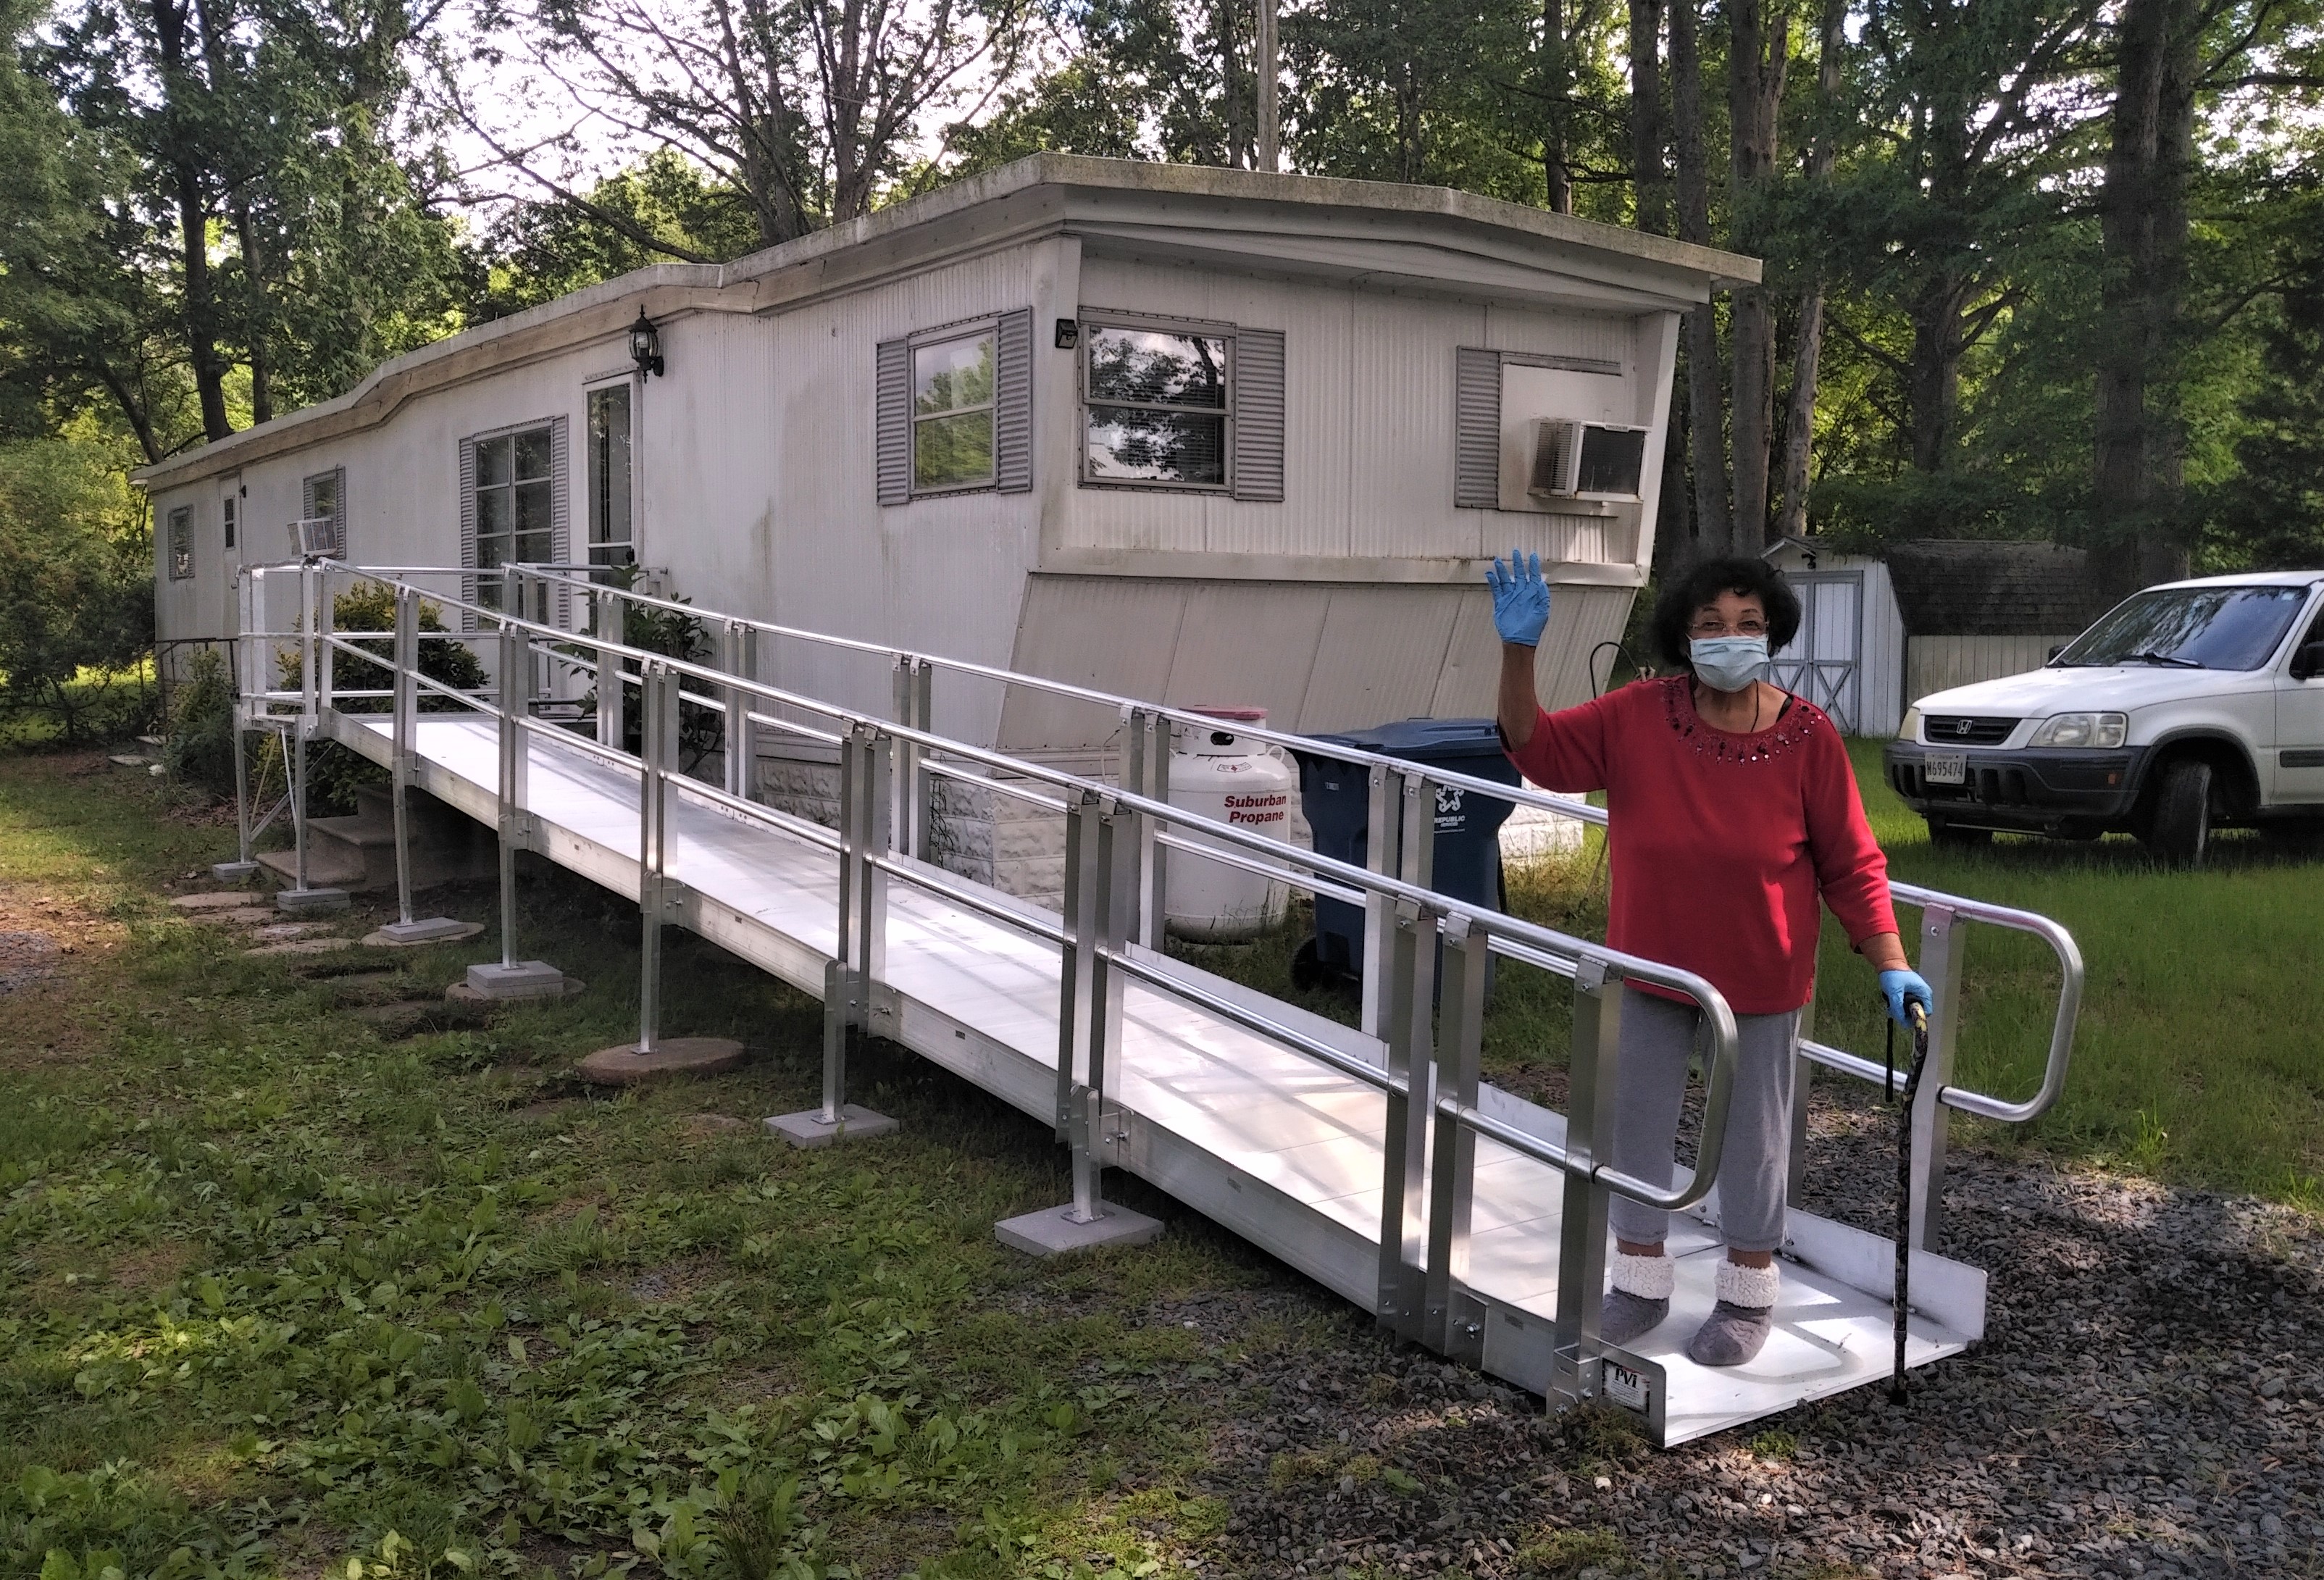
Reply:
x=1269, y=1141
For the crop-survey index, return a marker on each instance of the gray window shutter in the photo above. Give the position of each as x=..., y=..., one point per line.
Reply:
x=559, y=522
x=1477, y=430
x=467, y=531
x=1012, y=403
x=1259, y=414
x=894, y=395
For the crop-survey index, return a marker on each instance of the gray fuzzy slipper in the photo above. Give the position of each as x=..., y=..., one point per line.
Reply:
x=1737, y=1329
x=1625, y=1317
x=1639, y=1299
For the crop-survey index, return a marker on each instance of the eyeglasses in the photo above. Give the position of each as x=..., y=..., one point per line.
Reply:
x=1705, y=630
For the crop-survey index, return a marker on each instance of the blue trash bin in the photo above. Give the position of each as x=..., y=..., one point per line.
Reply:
x=1336, y=797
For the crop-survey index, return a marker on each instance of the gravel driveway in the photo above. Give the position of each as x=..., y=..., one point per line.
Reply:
x=2146, y=1403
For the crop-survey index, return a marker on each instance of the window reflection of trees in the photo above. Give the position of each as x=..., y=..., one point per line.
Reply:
x=1157, y=405
x=2220, y=628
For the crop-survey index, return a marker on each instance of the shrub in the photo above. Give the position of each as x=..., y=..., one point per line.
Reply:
x=198, y=737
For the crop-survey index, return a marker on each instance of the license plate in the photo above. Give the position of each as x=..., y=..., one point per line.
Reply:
x=1945, y=767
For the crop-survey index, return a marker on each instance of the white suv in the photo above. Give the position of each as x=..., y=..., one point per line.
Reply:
x=2186, y=706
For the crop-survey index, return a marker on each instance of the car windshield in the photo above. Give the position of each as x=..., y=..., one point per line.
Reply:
x=2191, y=628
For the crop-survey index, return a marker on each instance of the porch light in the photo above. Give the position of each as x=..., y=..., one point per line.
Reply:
x=645, y=345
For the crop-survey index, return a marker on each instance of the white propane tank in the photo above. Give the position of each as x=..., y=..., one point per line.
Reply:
x=1222, y=775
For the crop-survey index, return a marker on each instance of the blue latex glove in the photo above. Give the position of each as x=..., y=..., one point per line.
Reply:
x=1520, y=598
x=1899, y=986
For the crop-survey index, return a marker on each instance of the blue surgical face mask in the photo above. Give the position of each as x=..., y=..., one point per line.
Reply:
x=1728, y=663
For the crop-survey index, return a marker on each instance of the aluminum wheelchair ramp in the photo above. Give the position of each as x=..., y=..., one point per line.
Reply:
x=1375, y=1161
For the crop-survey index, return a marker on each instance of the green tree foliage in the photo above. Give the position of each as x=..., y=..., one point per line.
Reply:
x=76, y=586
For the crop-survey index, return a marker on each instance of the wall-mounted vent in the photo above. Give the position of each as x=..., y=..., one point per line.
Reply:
x=1586, y=460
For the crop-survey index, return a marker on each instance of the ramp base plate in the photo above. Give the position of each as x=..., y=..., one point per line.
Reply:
x=1052, y=1232
x=808, y=1128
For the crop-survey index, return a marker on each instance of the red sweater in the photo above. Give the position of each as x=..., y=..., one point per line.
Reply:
x=1720, y=843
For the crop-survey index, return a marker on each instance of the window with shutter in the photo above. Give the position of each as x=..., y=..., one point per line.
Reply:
x=955, y=410
x=514, y=509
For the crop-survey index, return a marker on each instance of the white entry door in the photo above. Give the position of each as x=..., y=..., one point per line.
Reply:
x=1823, y=662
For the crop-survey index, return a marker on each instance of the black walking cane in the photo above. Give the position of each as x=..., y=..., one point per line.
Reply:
x=1896, y=1389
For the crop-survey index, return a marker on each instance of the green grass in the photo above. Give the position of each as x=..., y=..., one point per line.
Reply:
x=278, y=1297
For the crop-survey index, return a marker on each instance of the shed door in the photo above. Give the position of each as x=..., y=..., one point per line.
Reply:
x=1825, y=661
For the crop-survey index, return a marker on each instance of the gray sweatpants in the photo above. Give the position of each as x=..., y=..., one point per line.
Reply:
x=1657, y=1036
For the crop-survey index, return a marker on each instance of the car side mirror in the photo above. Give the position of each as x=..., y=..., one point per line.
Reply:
x=2054, y=652
x=2308, y=661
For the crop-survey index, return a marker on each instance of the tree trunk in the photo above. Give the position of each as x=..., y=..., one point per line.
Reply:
x=1758, y=53
x=1557, y=173
x=1706, y=436
x=2136, y=464
x=199, y=313
x=1807, y=352
x=1649, y=180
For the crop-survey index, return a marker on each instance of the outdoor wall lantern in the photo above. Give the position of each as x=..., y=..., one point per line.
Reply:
x=645, y=345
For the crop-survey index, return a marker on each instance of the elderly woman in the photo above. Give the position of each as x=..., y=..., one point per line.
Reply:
x=1733, y=814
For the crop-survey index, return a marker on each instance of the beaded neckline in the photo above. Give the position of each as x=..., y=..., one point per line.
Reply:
x=1794, y=725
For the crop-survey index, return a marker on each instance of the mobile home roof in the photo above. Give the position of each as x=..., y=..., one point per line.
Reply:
x=1381, y=234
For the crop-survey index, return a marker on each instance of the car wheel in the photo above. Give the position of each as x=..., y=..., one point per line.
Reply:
x=1953, y=836
x=2179, y=831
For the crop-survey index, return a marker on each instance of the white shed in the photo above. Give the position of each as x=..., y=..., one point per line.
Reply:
x=1879, y=632
x=1194, y=434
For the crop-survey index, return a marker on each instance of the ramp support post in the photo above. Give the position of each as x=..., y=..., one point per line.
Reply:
x=315, y=693
x=865, y=829
x=610, y=696
x=1383, y=823
x=1100, y=890
x=1453, y=1322
x=740, y=658
x=244, y=866
x=1146, y=772
x=404, y=678
x=914, y=708
x=513, y=978
x=1943, y=940
x=1404, y=1159
x=1589, y=1133
x=658, y=749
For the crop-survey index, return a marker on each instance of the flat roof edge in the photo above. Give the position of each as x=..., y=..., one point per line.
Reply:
x=387, y=385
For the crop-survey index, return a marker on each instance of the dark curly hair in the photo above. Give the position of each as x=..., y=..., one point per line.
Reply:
x=1749, y=578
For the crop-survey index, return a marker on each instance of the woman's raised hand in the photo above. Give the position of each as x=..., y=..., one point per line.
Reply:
x=1520, y=598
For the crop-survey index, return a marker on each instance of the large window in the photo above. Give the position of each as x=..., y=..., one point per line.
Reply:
x=1158, y=404
x=951, y=413
x=613, y=537
x=182, y=542
x=515, y=503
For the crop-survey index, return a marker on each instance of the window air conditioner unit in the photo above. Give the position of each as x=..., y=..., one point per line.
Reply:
x=317, y=536
x=1586, y=460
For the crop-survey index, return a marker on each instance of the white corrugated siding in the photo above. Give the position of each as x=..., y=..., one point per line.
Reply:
x=1317, y=656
